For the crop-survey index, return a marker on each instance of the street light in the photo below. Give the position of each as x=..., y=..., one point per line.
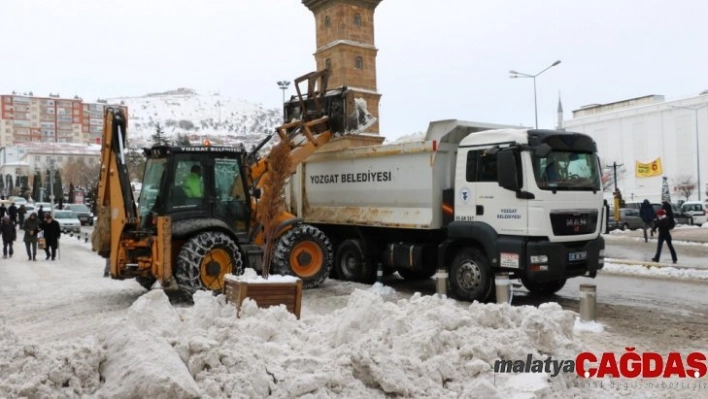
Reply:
x=283, y=84
x=515, y=74
x=698, y=151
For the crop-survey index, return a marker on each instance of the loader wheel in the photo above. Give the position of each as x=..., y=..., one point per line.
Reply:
x=204, y=260
x=470, y=278
x=352, y=263
x=305, y=252
x=543, y=289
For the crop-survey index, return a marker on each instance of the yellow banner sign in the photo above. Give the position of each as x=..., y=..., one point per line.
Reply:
x=649, y=169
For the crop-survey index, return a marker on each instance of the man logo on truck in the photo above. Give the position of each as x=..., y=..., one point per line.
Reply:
x=466, y=196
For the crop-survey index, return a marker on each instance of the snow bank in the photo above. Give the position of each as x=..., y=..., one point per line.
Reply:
x=425, y=346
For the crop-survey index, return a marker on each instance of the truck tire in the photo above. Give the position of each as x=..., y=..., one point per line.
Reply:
x=305, y=252
x=204, y=260
x=470, y=278
x=351, y=262
x=543, y=289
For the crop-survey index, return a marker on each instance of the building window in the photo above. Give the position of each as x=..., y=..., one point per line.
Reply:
x=357, y=19
x=327, y=22
x=328, y=63
x=359, y=63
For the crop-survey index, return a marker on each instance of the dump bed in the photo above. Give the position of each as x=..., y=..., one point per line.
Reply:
x=397, y=185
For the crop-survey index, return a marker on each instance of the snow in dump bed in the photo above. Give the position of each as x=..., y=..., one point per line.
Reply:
x=252, y=276
x=420, y=347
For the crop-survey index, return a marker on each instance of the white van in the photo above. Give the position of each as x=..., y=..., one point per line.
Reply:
x=697, y=210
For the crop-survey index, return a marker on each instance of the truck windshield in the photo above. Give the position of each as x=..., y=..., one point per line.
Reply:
x=154, y=169
x=564, y=170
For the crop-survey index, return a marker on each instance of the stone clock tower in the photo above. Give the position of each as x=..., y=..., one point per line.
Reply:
x=345, y=45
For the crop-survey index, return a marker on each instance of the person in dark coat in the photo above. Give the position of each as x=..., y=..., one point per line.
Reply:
x=31, y=228
x=21, y=212
x=12, y=211
x=9, y=235
x=40, y=214
x=663, y=224
x=52, y=232
x=3, y=211
x=666, y=206
x=646, y=212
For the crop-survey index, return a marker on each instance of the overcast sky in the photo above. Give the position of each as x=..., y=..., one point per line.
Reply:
x=436, y=60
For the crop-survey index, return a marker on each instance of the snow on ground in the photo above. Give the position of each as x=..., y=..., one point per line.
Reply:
x=67, y=332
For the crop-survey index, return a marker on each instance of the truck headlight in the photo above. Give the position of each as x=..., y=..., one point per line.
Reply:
x=539, y=259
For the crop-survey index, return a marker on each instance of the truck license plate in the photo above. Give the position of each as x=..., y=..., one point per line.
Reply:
x=577, y=255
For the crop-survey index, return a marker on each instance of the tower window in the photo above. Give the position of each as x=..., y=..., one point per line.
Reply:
x=327, y=22
x=359, y=63
x=328, y=63
x=357, y=19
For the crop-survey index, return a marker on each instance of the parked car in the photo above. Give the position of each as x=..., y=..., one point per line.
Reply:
x=629, y=219
x=697, y=210
x=68, y=222
x=82, y=212
x=18, y=200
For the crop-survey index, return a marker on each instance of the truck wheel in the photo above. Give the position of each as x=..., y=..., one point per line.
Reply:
x=625, y=227
x=146, y=282
x=305, y=252
x=470, y=277
x=204, y=260
x=415, y=275
x=351, y=262
x=543, y=289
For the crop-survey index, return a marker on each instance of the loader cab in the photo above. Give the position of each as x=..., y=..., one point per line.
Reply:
x=194, y=183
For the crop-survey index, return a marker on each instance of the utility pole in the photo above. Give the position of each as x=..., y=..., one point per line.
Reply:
x=617, y=194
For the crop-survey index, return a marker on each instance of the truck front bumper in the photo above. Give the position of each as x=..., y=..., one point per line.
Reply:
x=564, y=260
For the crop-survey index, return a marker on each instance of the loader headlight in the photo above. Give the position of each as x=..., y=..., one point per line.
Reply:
x=539, y=259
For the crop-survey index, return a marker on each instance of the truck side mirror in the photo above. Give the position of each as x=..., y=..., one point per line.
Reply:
x=507, y=170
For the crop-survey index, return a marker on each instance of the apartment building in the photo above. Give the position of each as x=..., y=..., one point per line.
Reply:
x=27, y=118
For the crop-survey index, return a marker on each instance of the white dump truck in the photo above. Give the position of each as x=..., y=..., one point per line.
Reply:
x=473, y=199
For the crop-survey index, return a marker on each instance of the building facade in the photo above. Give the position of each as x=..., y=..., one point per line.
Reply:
x=27, y=118
x=647, y=139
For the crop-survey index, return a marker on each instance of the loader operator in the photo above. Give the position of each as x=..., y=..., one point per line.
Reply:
x=192, y=185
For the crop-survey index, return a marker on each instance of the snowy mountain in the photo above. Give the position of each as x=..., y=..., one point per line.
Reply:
x=222, y=120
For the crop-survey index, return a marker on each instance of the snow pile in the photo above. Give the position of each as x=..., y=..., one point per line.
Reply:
x=422, y=347
x=48, y=370
x=662, y=271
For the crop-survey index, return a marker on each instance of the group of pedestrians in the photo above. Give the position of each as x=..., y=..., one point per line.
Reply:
x=661, y=220
x=32, y=227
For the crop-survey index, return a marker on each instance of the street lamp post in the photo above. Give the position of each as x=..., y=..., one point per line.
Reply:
x=515, y=74
x=283, y=84
x=698, y=148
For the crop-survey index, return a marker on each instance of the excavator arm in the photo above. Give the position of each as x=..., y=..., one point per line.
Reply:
x=116, y=205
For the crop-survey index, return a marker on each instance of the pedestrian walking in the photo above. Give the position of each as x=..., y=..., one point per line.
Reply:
x=31, y=228
x=9, y=235
x=664, y=225
x=40, y=214
x=3, y=211
x=52, y=232
x=666, y=206
x=21, y=214
x=646, y=212
x=12, y=211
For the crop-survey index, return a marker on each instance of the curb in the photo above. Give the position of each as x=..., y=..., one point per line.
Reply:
x=649, y=264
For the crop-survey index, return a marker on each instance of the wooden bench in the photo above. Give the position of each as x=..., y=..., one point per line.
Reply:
x=265, y=294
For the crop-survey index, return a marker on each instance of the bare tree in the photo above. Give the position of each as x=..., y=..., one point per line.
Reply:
x=685, y=186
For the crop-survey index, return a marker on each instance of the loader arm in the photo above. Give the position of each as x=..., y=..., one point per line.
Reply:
x=116, y=205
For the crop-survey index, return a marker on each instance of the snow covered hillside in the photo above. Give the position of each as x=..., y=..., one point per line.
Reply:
x=223, y=120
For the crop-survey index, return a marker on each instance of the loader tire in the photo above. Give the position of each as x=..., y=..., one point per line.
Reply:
x=305, y=252
x=352, y=263
x=204, y=260
x=470, y=278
